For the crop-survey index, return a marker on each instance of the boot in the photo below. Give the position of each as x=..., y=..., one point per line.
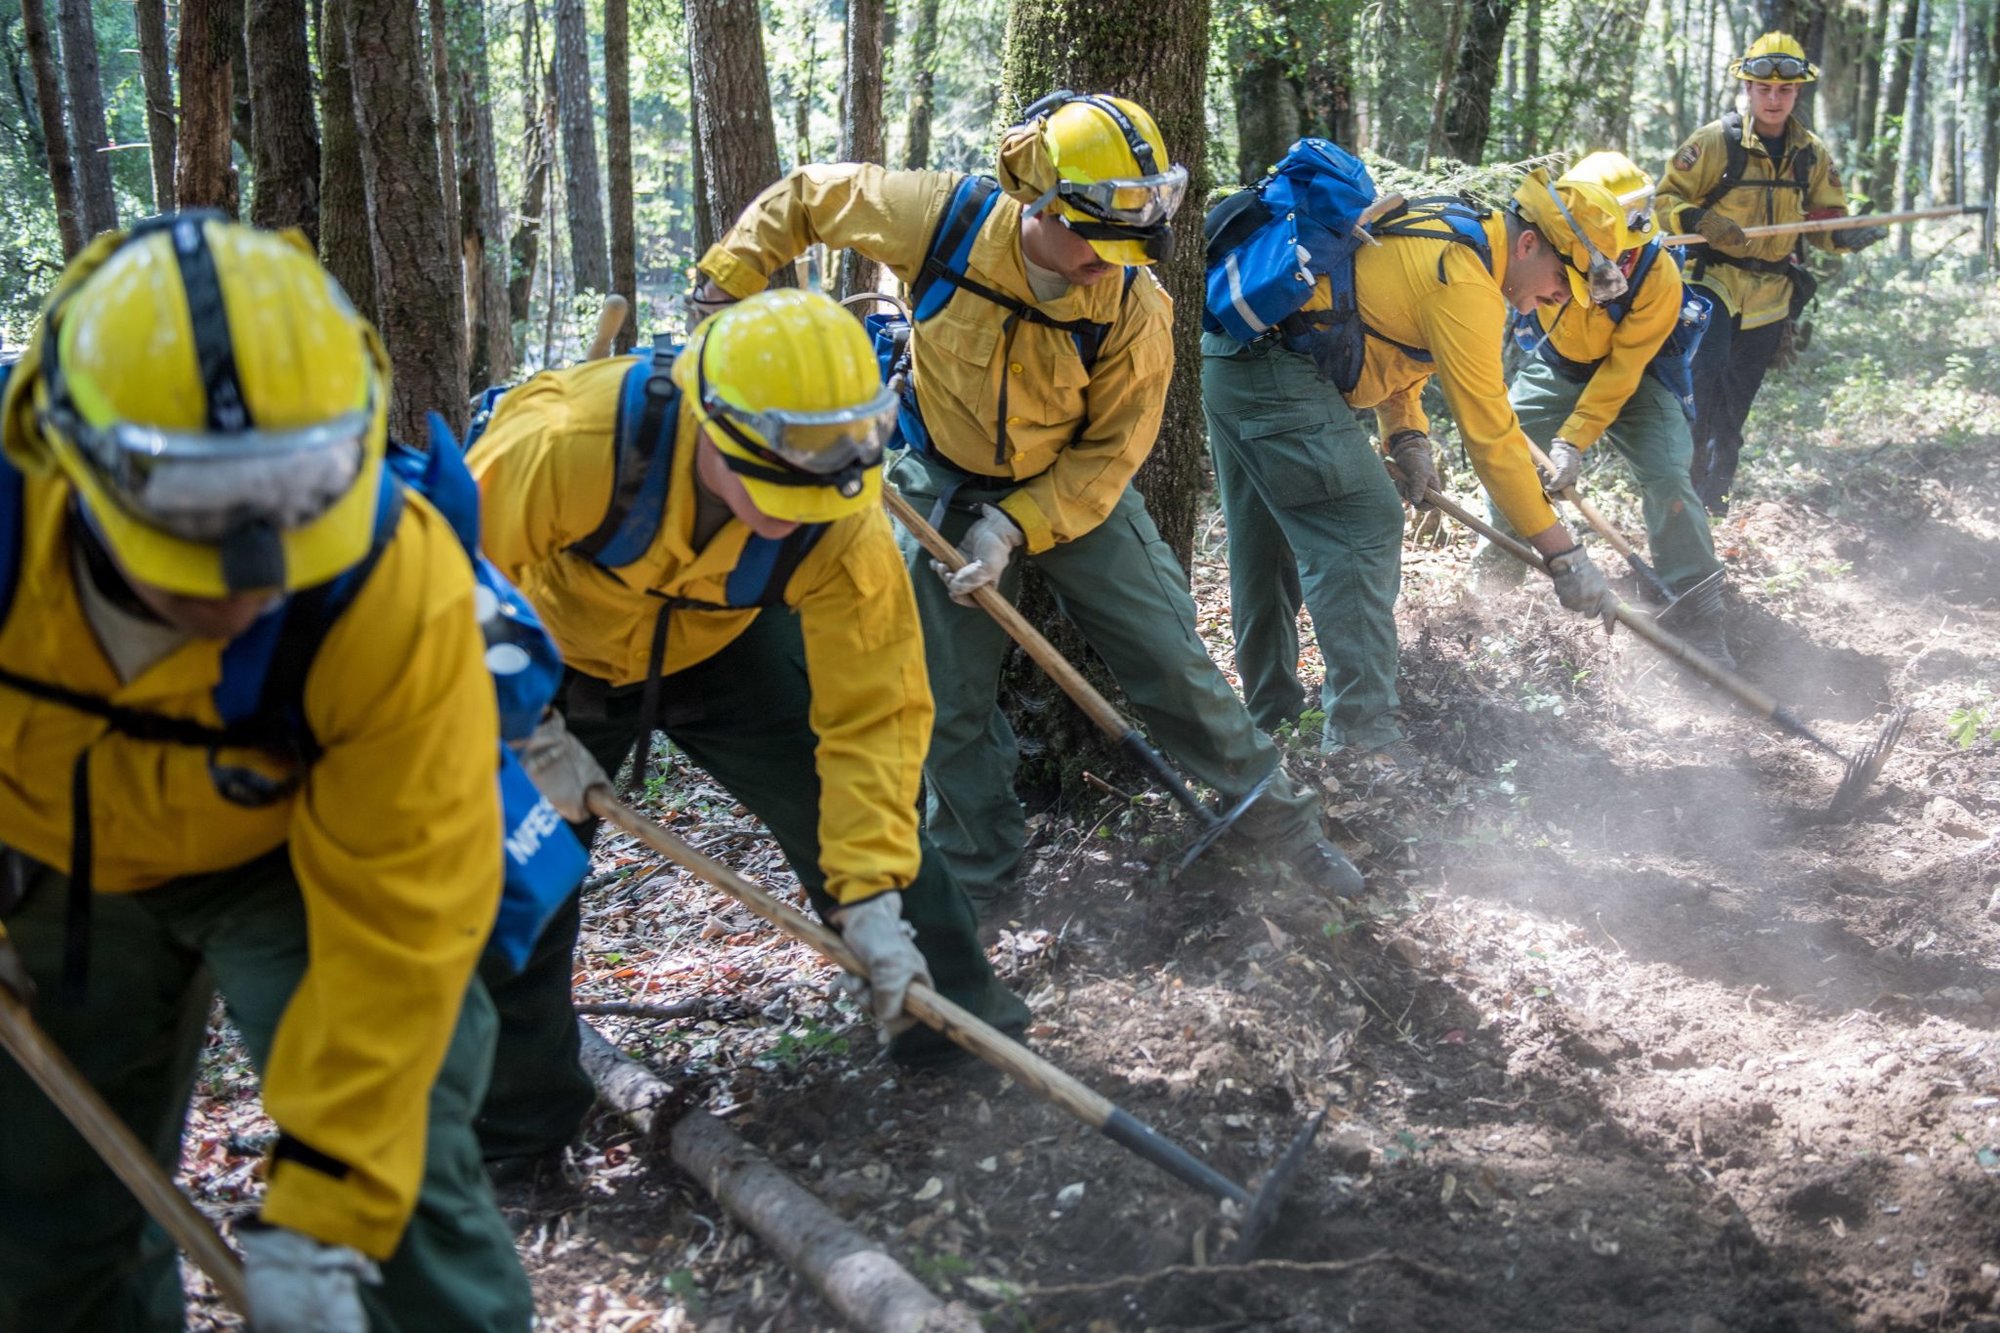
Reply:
x=1697, y=616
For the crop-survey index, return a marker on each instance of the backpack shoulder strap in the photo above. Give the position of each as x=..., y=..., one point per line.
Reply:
x=13, y=501
x=642, y=446
x=1091, y=336
x=1735, y=158
x=950, y=249
x=767, y=565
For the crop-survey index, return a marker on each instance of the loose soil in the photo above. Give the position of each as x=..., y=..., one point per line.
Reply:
x=1627, y=1035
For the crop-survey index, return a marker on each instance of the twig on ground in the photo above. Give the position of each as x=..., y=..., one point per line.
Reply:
x=699, y=1006
x=1434, y=1272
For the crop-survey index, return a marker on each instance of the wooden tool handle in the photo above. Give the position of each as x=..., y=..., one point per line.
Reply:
x=119, y=1148
x=609, y=321
x=1639, y=623
x=1583, y=505
x=924, y=1003
x=1834, y=224
x=1108, y=719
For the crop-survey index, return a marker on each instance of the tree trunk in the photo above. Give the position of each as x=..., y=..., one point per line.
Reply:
x=1951, y=92
x=1157, y=56
x=1909, y=155
x=285, y=139
x=861, y=122
x=923, y=79
x=590, y=256
x=1883, y=175
x=55, y=134
x=204, y=176
x=442, y=105
x=343, y=231
x=1269, y=113
x=1867, y=99
x=89, y=140
x=483, y=218
x=738, y=142
x=1989, y=136
x=1447, y=61
x=416, y=260
x=151, y=20
x=1470, y=117
x=1531, y=79
x=524, y=248
x=618, y=155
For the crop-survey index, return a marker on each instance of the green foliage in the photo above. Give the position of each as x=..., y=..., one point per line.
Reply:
x=1974, y=721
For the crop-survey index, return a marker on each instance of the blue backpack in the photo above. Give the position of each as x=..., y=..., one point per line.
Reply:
x=943, y=275
x=1672, y=365
x=260, y=699
x=1269, y=244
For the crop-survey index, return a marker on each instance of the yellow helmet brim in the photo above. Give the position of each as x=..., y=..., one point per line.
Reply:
x=807, y=504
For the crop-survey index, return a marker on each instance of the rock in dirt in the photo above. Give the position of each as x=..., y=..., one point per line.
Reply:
x=1349, y=1154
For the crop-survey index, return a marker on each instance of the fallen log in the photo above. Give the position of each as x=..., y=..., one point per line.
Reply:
x=863, y=1284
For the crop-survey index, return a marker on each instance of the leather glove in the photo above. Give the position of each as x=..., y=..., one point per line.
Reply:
x=1565, y=466
x=561, y=768
x=13, y=972
x=299, y=1285
x=1859, y=238
x=1722, y=231
x=1579, y=585
x=887, y=946
x=1410, y=451
x=987, y=546
x=705, y=300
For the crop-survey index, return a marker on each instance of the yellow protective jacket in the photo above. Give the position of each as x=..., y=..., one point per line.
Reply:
x=1693, y=175
x=545, y=468
x=1437, y=297
x=1621, y=349
x=1074, y=436
x=394, y=834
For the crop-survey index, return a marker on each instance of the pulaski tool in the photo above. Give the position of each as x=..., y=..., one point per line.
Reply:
x=1031, y=1071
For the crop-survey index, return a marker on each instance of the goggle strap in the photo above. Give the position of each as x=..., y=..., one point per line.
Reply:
x=1048, y=197
x=841, y=481
x=215, y=354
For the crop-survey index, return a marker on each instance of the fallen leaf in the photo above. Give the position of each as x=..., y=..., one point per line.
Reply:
x=932, y=1188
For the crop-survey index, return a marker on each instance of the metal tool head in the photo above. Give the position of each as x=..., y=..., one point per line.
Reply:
x=1218, y=824
x=1262, y=1210
x=1688, y=598
x=1866, y=765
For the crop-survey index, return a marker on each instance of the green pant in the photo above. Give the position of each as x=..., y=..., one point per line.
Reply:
x=1313, y=520
x=743, y=715
x=1652, y=435
x=1124, y=590
x=76, y=1251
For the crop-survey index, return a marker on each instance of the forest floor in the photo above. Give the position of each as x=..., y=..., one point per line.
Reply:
x=1626, y=1035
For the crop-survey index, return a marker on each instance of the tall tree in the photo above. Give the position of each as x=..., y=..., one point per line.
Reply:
x=1447, y=53
x=89, y=140
x=1910, y=152
x=538, y=146
x=1989, y=133
x=923, y=85
x=1882, y=173
x=737, y=140
x=151, y=19
x=618, y=154
x=284, y=136
x=1474, y=71
x=590, y=254
x=204, y=175
x=1867, y=97
x=344, y=246
x=443, y=105
x=1157, y=55
x=416, y=262
x=55, y=134
x=1947, y=102
x=861, y=121
x=1531, y=79
x=482, y=225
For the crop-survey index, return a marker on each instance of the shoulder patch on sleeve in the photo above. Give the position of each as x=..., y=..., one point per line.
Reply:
x=1689, y=154
x=1833, y=175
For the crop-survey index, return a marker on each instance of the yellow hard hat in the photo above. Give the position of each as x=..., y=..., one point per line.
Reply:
x=1776, y=57
x=788, y=386
x=1628, y=184
x=217, y=403
x=1584, y=222
x=1099, y=164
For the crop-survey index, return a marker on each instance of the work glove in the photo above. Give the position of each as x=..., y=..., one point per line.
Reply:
x=1416, y=466
x=1579, y=585
x=1721, y=231
x=987, y=546
x=13, y=972
x=1859, y=238
x=705, y=300
x=1565, y=466
x=299, y=1285
x=561, y=769
x=887, y=946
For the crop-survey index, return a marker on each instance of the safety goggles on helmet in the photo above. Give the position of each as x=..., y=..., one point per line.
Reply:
x=204, y=486
x=1140, y=202
x=1769, y=67
x=831, y=448
x=1604, y=279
